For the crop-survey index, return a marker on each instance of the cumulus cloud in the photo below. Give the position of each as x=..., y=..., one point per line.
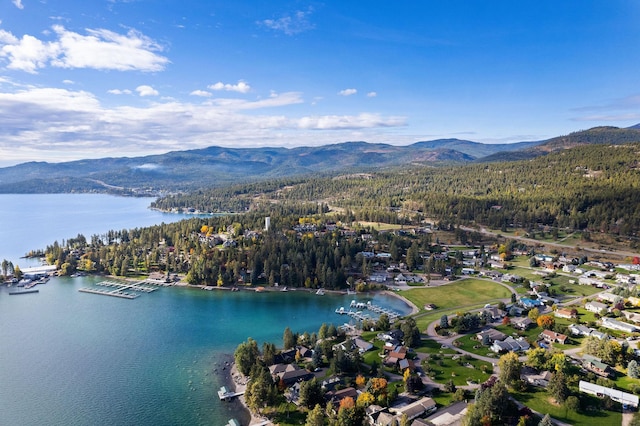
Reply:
x=18, y=4
x=201, y=93
x=98, y=49
x=145, y=90
x=347, y=92
x=372, y=95
x=240, y=87
x=62, y=124
x=293, y=24
x=119, y=92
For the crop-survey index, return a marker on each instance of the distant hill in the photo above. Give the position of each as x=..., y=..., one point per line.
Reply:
x=214, y=166
x=218, y=166
x=596, y=135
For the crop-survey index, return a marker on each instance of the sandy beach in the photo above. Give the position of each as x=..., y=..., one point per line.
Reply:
x=414, y=308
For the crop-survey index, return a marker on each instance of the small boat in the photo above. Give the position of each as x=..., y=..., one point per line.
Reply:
x=284, y=289
x=320, y=292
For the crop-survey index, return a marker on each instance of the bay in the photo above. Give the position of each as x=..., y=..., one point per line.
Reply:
x=71, y=358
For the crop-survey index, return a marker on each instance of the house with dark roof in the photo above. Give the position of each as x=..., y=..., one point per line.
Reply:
x=596, y=365
x=334, y=397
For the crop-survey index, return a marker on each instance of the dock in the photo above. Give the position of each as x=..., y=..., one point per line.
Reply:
x=121, y=289
x=226, y=395
x=360, y=306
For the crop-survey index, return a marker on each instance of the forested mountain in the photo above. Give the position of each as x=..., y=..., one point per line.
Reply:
x=591, y=187
x=217, y=166
x=596, y=135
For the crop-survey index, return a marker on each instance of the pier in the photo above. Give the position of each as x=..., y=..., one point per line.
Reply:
x=226, y=395
x=120, y=289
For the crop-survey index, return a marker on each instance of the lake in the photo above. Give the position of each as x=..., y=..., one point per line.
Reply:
x=72, y=358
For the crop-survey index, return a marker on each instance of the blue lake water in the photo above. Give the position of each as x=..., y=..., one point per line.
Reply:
x=71, y=358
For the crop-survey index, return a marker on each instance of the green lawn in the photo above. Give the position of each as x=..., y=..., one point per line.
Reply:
x=538, y=400
x=459, y=370
x=463, y=295
x=429, y=346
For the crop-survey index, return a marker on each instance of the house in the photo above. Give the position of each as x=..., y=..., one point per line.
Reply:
x=510, y=344
x=403, y=364
x=334, y=397
x=495, y=313
x=566, y=313
x=553, y=337
x=521, y=323
x=631, y=316
x=363, y=345
x=530, y=303
x=540, y=379
x=579, y=330
x=618, y=325
x=451, y=415
x=623, y=398
x=492, y=334
x=289, y=373
x=415, y=409
x=597, y=307
x=610, y=297
x=595, y=365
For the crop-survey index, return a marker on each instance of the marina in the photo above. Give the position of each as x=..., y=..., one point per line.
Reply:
x=122, y=290
x=355, y=311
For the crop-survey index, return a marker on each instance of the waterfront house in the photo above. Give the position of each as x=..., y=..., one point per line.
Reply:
x=363, y=345
x=597, y=307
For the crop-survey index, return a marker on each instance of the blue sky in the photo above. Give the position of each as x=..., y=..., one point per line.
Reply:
x=88, y=79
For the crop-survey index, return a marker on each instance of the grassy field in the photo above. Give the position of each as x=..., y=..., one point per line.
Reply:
x=538, y=400
x=457, y=294
x=460, y=370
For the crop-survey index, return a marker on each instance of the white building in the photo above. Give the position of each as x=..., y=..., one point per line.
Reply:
x=618, y=325
x=623, y=398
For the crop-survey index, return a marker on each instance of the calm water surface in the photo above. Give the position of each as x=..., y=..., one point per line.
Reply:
x=71, y=358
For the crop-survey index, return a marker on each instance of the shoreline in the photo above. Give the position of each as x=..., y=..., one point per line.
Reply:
x=414, y=308
x=239, y=384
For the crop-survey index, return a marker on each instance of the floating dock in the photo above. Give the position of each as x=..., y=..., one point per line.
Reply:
x=360, y=306
x=114, y=293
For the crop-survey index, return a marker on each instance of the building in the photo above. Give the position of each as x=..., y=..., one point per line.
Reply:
x=521, y=323
x=553, y=337
x=510, y=344
x=492, y=334
x=623, y=398
x=595, y=365
x=566, y=313
x=618, y=325
x=415, y=409
x=597, y=307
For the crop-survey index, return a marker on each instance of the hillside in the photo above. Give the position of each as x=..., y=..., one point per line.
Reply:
x=596, y=135
x=217, y=166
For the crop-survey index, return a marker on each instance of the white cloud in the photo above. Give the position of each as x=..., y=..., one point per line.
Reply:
x=290, y=24
x=100, y=49
x=372, y=95
x=62, y=124
x=361, y=121
x=347, y=92
x=119, y=92
x=201, y=93
x=68, y=82
x=18, y=4
x=240, y=87
x=145, y=90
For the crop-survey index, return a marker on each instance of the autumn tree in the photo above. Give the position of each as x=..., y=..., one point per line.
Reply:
x=510, y=367
x=546, y=322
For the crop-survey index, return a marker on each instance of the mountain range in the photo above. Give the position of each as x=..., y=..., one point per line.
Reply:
x=216, y=166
